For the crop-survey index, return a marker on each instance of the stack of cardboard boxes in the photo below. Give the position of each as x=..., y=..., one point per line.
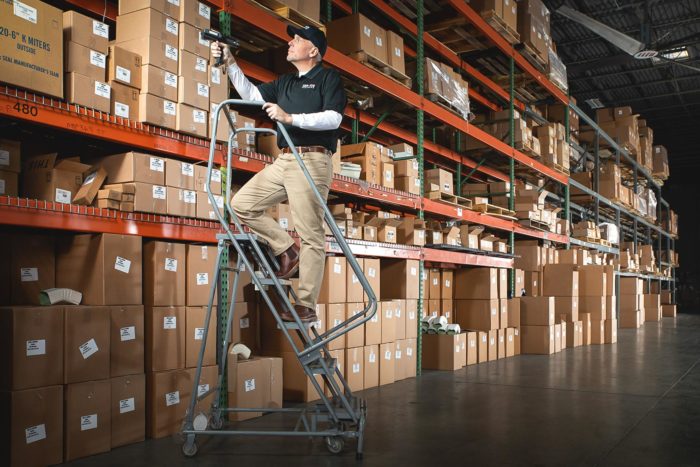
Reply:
x=498, y=125
x=554, y=149
x=445, y=85
x=534, y=28
x=660, y=168
x=10, y=167
x=378, y=166
x=621, y=124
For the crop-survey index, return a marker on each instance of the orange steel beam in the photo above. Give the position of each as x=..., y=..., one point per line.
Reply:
x=101, y=8
x=272, y=25
x=465, y=10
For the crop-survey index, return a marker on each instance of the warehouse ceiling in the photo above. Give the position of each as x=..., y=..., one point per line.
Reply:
x=666, y=95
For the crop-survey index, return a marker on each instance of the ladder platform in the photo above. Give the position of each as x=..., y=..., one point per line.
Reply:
x=267, y=282
x=317, y=369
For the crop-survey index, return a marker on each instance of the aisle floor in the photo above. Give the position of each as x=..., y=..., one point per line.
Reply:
x=633, y=403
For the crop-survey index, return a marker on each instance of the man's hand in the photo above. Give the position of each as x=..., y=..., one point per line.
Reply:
x=217, y=49
x=276, y=113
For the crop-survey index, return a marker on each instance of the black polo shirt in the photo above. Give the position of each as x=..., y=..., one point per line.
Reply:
x=318, y=90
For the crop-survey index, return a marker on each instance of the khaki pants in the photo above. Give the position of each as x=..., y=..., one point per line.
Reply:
x=276, y=183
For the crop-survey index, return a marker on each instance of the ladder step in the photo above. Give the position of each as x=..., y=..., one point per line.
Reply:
x=317, y=369
x=292, y=326
x=266, y=282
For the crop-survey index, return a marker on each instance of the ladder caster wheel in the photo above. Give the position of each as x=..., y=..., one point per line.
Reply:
x=216, y=422
x=335, y=444
x=189, y=449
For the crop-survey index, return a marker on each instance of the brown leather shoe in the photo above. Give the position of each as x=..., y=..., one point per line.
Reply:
x=289, y=262
x=305, y=313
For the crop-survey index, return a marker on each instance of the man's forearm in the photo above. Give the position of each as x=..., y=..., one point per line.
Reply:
x=243, y=86
x=318, y=121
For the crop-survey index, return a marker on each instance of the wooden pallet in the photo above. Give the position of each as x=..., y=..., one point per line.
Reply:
x=382, y=68
x=560, y=168
x=501, y=26
x=289, y=14
x=533, y=57
x=492, y=209
x=450, y=199
x=596, y=241
x=535, y=224
x=439, y=100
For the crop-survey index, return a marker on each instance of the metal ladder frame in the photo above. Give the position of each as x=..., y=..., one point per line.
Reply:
x=344, y=413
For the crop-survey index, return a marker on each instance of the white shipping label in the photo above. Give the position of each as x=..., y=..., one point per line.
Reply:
x=203, y=90
x=389, y=313
x=390, y=235
x=371, y=272
x=170, y=264
x=387, y=355
x=88, y=349
x=355, y=280
x=409, y=351
x=457, y=348
x=122, y=265
x=171, y=52
x=171, y=26
x=204, y=10
x=35, y=433
x=199, y=116
x=435, y=281
x=215, y=75
x=202, y=389
x=190, y=197
x=103, y=90
x=472, y=344
x=127, y=333
x=216, y=175
x=205, y=253
x=398, y=355
x=397, y=51
x=62, y=196
x=172, y=398
x=414, y=271
x=284, y=222
x=337, y=269
x=121, y=110
x=198, y=334
x=4, y=157
x=127, y=405
x=411, y=316
x=123, y=74
x=36, y=347
x=356, y=368
x=88, y=422
x=204, y=42
x=174, y=2
x=24, y=11
x=170, y=80
x=169, y=108
x=378, y=41
x=492, y=341
x=244, y=323
x=483, y=339
x=157, y=164
x=201, y=65
x=387, y=175
x=159, y=192
x=367, y=31
x=28, y=274
x=202, y=278
x=249, y=385
x=100, y=29
x=169, y=322
x=187, y=169
x=98, y=59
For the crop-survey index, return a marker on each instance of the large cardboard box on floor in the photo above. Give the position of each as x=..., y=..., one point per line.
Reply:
x=86, y=343
x=194, y=335
x=168, y=396
x=387, y=367
x=38, y=66
x=254, y=383
x=246, y=327
x=165, y=338
x=443, y=352
x=88, y=425
x=163, y=273
x=201, y=266
x=32, y=267
x=355, y=368
x=46, y=178
x=32, y=353
x=31, y=421
x=537, y=311
x=371, y=366
x=128, y=407
x=105, y=268
x=537, y=339
x=482, y=315
x=296, y=386
x=127, y=334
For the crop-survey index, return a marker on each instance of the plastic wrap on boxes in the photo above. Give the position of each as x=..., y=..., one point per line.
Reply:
x=557, y=71
x=610, y=232
x=651, y=203
x=454, y=92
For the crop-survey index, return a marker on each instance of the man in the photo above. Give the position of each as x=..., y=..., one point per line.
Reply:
x=310, y=104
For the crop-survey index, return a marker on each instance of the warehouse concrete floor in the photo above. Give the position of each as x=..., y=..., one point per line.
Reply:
x=634, y=403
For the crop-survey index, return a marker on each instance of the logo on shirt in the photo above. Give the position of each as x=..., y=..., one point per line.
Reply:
x=308, y=86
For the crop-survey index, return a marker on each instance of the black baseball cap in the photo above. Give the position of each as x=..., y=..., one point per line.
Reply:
x=310, y=33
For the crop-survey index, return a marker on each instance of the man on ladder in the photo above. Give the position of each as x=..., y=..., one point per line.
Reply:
x=310, y=104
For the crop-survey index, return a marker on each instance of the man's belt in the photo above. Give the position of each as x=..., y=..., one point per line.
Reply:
x=303, y=149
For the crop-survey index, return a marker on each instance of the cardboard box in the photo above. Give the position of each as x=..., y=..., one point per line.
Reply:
x=33, y=350
x=335, y=316
x=171, y=9
x=201, y=266
x=44, y=177
x=482, y=343
x=254, y=383
x=85, y=31
x=502, y=313
x=610, y=331
x=567, y=306
x=441, y=178
x=480, y=315
x=373, y=328
x=411, y=232
x=195, y=13
x=246, y=326
x=297, y=387
x=387, y=367
x=134, y=167
x=168, y=394
x=123, y=67
x=32, y=421
x=476, y=283
x=81, y=60
x=514, y=312
x=395, y=57
x=194, y=335
x=411, y=312
x=10, y=156
x=371, y=366
x=472, y=349
x=356, y=33
x=510, y=342
x=86, y=343
x=594, y=306
x=128, y=407
x=537, y=339
x=154, y=51
x=371, y=268
x=127, y=331
x=179, y=174
x=560, y=280
x=165, y=338
x=592, y=281
x=160, y=83
x=88, y=92
x=537, y=311
x=492, y=345
x=354, y=368
x=668, y=311
x=446, y=280
x=597, y=328
x=43, y=23
x=193, y=93
x=447, y=310
x=335, y=272
x=400, y=319
x=32, y=267
x=88, y=419
x=9, y=183
x=434, y=285
x=200, y=178
x=110, y=266
x=124, y=101
x=147, y=22
x=387, y=321
x=164, y=273
x=630, y=319
x=399, y=279
x=218, y=85
x=157, y=111
x=442, y=352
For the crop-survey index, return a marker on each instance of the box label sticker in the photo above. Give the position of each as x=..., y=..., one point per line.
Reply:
x=367, y=31
x=127, y=333
x=98, y=59
x=201, y=65
x=372, y=357
x=169, y=322
x=397, y=51
x=447, y=283
x=100, y=29
x=378, y=41
x=174, y=2
x=36, y=347
x=121, y=110
x=202, y=278
x=371, y=272
x=337, y=269
x=127, y=405
x=171, y=264
x=199, y=116
x=159, y=192
x=249, y=385
x=355, y=280
x=387, y=355
x=215, y=75
x=88, y=349
x=122, y=265
x=28, y=274
x=88, y=422
x=216, y=175
x=435, y=281
x=390, y=235
x=202, y=389
x=24, y=11
x=388, y=314
x=483, y=339
x=204, y=10
x=157, y=164
x=4, y=157
x=170, y=80
x=457, y=348
x=205, y=253
x=171, y=26
x=414, y=271
x=355, y=367
x=35, y=433
x=398, y=355
x=244, y=323
x=198, y=334
x=62, y=196
x=103, y=90
x=190, y=197
x=171, y=52
x=472, y=344
x=169, y=108
x=172, y=398
x=123, y=74
x=203, y=90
